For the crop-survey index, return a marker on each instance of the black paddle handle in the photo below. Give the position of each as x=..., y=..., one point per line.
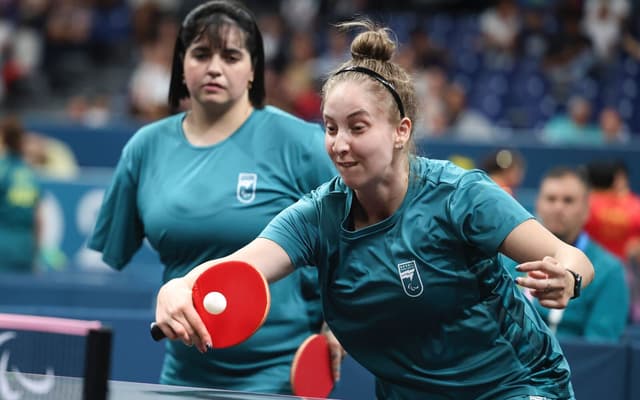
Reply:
x=156, y=332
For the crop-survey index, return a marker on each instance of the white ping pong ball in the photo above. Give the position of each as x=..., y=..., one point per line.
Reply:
x=215, y=303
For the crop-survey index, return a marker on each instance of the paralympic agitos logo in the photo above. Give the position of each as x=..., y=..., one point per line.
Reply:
x=20, y=382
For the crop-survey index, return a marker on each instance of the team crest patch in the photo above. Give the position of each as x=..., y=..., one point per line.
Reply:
x=246, y=191
x=410, y=278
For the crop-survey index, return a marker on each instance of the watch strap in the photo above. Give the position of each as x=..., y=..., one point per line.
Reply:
x=577, y=283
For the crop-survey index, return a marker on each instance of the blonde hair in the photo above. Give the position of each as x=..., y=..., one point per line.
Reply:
x=372, y=49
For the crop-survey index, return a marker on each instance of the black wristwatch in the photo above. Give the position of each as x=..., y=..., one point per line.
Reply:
x=577, y=283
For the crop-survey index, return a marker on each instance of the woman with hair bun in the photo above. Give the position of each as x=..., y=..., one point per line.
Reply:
x=406, y=250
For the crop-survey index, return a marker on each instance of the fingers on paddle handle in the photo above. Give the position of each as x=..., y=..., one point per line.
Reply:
x=156, y=332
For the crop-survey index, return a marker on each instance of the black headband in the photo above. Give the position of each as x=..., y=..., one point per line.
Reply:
x=380, y=79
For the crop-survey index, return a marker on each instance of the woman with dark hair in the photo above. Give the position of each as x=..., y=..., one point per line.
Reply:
x=202, y=183
x=406, y=250
x=20, y=195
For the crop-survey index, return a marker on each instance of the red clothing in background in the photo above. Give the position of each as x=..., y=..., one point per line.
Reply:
x=614, y=220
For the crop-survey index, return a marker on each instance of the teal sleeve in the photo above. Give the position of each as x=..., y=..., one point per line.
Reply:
x=482, y=213
x=119, y=231
x=295, y=230
x=310, y=290
x=610, y=312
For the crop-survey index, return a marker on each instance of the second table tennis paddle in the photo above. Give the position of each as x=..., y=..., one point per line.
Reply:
x=311, y=368
x=239, y=297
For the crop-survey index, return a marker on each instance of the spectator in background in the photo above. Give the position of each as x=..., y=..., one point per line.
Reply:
x=430, y=86
x=20, y=195
x=602, y=312
x=603, y=23
x=574, y=128
x=499, y=28
x=614, y=219
x=506, y=168
x=298, y=77
x=464, y=122
x=569, y=57
x=149, y=84
x=274, y=35
x=50, y=157
x=92, y=111
x=300, y=15
x=427, y=53
x=533, y=39
x=631, y=33
x=612, y=127
x=68, y=34
x=433, y=121
x=111, y=31
x=334, y=54
x=21, y=51
x=185, y=181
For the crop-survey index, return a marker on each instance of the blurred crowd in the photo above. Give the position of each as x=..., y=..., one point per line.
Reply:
x=566, y=70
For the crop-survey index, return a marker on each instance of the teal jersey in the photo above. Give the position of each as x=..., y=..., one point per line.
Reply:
x=419, y=298
x=601, y=312
x=20, y=193
x=195, y=204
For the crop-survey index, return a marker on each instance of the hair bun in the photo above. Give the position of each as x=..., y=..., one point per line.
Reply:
x=374, y=43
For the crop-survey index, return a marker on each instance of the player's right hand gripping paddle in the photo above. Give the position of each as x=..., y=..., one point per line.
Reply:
x=311, y=369
x=232, y=299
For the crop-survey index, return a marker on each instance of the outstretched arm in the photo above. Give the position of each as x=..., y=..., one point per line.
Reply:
x=545, y=259
x=175, y=313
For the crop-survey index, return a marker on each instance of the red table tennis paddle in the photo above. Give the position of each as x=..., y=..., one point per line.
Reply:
x=311, y=368
x=247, y=302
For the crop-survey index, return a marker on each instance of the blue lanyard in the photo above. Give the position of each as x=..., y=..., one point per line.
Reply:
x=582, y=241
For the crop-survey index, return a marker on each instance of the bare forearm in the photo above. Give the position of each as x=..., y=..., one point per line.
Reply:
x=575, y=260
x=266, y=256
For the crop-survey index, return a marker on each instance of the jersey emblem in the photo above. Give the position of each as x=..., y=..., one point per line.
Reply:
x=410, y=278
x=246, y=191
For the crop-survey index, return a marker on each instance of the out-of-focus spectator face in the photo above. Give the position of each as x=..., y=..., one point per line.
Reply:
x=406, y=58
x=35, y=150
x=603, y=12
x=507, y=8
x=455, y=98
x=533, y=19
x=580, y=110
x=563, y=205
x=436, y=119
x=338, y=41
x=436, y=79
x=621, y=183
x=610, y=123
x=419, y=40
x=302, y=47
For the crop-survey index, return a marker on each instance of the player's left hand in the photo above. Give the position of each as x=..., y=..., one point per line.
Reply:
x=548, y=281
x=336, y=350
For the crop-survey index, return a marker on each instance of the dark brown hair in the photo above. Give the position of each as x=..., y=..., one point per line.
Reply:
x=211, y=18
